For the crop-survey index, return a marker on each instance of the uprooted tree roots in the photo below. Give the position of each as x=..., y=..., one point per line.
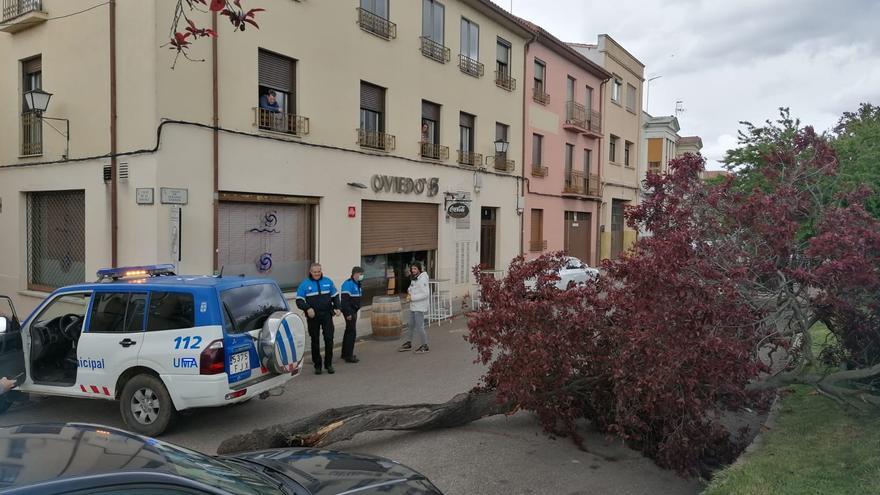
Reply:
x=343, y=423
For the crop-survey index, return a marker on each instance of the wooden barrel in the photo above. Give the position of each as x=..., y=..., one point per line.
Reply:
x=387, y=318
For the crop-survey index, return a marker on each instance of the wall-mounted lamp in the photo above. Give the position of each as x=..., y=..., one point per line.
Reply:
x=37, y=101
x=357, y=185
x=501, y=146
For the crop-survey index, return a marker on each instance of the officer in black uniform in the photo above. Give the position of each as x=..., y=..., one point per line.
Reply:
x=318, y=298
x=351, y=304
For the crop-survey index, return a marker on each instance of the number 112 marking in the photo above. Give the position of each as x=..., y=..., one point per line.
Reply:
x=186, y=343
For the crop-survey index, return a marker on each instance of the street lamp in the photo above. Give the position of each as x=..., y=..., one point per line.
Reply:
x=648, y=96
x=37, y=101
x=501, y=146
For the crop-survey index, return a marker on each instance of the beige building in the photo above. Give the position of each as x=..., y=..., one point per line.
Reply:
x=385, y=113
x=688, y=144
x=621, y=127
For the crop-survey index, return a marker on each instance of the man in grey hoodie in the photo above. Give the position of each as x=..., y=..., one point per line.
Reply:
x=418, y=295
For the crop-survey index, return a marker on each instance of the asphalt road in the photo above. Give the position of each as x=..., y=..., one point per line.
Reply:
x=499, y=455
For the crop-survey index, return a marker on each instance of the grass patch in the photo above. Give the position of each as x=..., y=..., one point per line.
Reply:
x=815, y=448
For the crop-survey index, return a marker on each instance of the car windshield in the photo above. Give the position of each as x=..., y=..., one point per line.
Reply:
x=248, y=307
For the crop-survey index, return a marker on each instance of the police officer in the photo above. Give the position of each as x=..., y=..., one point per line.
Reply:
x=351, y=303
x=318, y=298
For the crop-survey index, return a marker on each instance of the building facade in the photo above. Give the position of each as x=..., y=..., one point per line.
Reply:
x=660, y=137
x=688, y=144
x=621, y=143
x=563, y=113
x=393, y=135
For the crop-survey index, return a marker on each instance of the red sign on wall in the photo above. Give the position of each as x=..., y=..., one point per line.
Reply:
x=352, y=212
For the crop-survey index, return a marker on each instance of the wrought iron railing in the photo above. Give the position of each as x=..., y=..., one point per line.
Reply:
x=594, y=121
x=31, y=134
x=376, y=24
x=470, y=159
x=501, y=163
x=16, y=8
x=539, y=171
x=575, y=114
x=654, y=167
x=287, y=123
x=504, y=81
x=433, y=151
x=470, y=66
x=434, y=50
x=535, y=246
x=581, y=184
x=540, y=96
x=376, y=140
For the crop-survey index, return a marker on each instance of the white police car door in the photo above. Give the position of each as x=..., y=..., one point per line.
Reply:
x=111, y=341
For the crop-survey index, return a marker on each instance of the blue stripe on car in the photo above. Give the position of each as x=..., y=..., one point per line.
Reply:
x=289, y=338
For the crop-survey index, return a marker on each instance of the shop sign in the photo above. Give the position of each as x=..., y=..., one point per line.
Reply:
x=458, y=210
x=174, y=195
x=405, y=185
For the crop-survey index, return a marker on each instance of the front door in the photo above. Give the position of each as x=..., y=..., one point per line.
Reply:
x=113, y=336
x=11, y=349
x=617, y=227
x=577, y=235
x=487, y=237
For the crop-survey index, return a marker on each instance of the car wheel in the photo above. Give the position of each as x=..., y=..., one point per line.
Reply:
x=146, y=405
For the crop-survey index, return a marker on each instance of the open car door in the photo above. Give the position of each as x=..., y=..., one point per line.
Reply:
x=11, y=349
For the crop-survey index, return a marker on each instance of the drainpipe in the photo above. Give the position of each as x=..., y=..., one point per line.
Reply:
x=601, y=184
x=522, y=181
x=114, y=214
x=215, y=121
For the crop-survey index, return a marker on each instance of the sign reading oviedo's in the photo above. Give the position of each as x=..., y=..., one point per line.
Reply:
x=405, y=185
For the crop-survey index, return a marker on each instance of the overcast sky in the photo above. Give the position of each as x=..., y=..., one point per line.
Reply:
x=733, y=61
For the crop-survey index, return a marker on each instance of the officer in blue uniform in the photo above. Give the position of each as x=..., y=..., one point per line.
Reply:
x=318, y=298
x=351, y=303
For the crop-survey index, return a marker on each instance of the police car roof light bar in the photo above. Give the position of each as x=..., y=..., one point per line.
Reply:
x=135, y=272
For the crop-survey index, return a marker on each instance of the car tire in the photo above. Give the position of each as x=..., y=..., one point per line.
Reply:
x=146, y=405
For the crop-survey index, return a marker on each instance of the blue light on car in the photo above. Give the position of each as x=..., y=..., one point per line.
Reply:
x=135, y=271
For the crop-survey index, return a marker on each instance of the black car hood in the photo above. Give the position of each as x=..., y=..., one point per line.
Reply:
x=325, y=472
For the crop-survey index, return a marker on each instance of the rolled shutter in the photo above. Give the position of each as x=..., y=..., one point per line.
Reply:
x=372, y=97
x=466, y=119
x=395, y=227
x=32, y=65
x=430, y=111
x=276, y=71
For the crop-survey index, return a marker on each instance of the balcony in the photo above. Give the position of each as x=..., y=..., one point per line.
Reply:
x=31, y=135
x=19, y=15
x=376, y=25
x=376, y=140
x=469, y=159
x=540, y=96
x=579, y=119
x=504, y=81
x=537, y=246
x=433, y=151
x=539, y=171
x=267, y=120
x=581, y=184
x=435, y=51
x=470, y=66
x=501, y=163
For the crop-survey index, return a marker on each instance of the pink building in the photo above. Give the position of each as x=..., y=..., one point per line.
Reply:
x=562, y=149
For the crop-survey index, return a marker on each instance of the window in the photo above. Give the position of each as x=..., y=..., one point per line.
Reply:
x=470, y=39
x=569, y=159
x=372, y=108
x=615, y=90
x=630, y=97
x=569, y=88
x=466, y=132
x=68, y=304
x=537, y=149
x=377, y=7
x=540, y=88
x=588, y=161
x=373, y=18
x=56, y=233
x=117, y=312
x=588, y=102
x=501, y=134
x=433, y=21
x=246, y=308
x=31, y=126
x=612, y=148
x=503, y=58
x=536, y=240
x=276, y=98
x=170, y=311
x=627, y=147
x=430, y=122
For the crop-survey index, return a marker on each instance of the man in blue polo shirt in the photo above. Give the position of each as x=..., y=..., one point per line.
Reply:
x=318, y=298
x=351, y=304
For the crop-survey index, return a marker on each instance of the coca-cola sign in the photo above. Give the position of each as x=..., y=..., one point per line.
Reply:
x=458, y=210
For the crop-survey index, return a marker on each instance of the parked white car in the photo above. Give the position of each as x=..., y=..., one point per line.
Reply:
x=573, y=270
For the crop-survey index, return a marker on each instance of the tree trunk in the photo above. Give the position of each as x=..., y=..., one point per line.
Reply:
x=338, y=424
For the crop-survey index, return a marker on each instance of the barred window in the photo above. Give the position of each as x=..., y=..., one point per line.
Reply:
x=56, y=234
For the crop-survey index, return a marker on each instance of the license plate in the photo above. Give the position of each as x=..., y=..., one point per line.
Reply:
x=240, y=362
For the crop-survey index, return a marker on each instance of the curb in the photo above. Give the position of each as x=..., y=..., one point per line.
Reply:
x=768, y=425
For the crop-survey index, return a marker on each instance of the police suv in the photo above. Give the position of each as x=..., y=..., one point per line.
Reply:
x=157, y=342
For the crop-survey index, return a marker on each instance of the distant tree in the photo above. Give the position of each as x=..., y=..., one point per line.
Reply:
x=856, y=139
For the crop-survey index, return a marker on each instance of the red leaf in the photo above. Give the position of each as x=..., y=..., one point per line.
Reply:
x=217, y=5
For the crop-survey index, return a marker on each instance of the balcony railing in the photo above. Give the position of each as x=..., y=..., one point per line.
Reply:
x=434, y=50
x=579, y=119
x=287, y=123
x=376, y=140
x=540, y=96
x=16, y=8
x=504, y=81
x=501, y=163
x=376, y=24
x=581, y=184
x=469, y=159
x=433, y=151
x=536, y=246
x=31, y=134
x=539, y=171
x=470, y=66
